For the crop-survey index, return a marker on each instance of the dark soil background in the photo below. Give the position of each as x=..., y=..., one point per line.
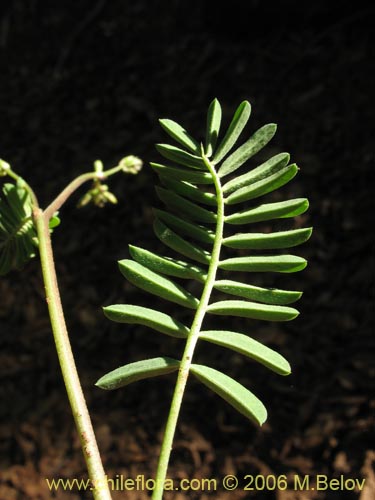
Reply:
x=87, y=80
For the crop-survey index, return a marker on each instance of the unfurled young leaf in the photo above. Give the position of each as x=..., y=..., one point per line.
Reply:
x=18, y=236
x=199, y=226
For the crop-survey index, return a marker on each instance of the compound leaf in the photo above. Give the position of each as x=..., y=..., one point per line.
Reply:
x=196, y=202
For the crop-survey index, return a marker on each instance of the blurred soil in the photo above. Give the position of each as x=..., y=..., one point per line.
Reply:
x=86, y=80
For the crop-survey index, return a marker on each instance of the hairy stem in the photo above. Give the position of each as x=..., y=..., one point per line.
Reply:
x=191, y=342
x=66, y=360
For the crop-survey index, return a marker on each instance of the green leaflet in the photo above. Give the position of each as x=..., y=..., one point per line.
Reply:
x=180, y=135
x=235, y=128
x=139, y=370
x=252, y=310
x=182, y=174
x=256, y=142
x=269, y=211
x=172, y=240
x=280, y=239
x=154, y=283
x=256, y=293
x=195, y=231
x=264, y=170
x=193, y=210
x=213, y=127
x=54, y=221
x=180, y=156
x=249, y=347
x=167, y=265
x=163, y=323
x=190, y=191
x=264, y=186
x=277, y=263
x=232, y=392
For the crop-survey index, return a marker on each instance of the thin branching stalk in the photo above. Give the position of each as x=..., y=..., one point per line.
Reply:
x=74, y=185
x=191, y=342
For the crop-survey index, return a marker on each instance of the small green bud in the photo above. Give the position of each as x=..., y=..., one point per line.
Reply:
x=4, y=168
x=98, y=166
x=131, y=164
x=110, y=197
x=85, y=200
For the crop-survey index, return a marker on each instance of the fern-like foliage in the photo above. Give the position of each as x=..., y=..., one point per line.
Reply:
x=203, y=196
x=18, y=237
